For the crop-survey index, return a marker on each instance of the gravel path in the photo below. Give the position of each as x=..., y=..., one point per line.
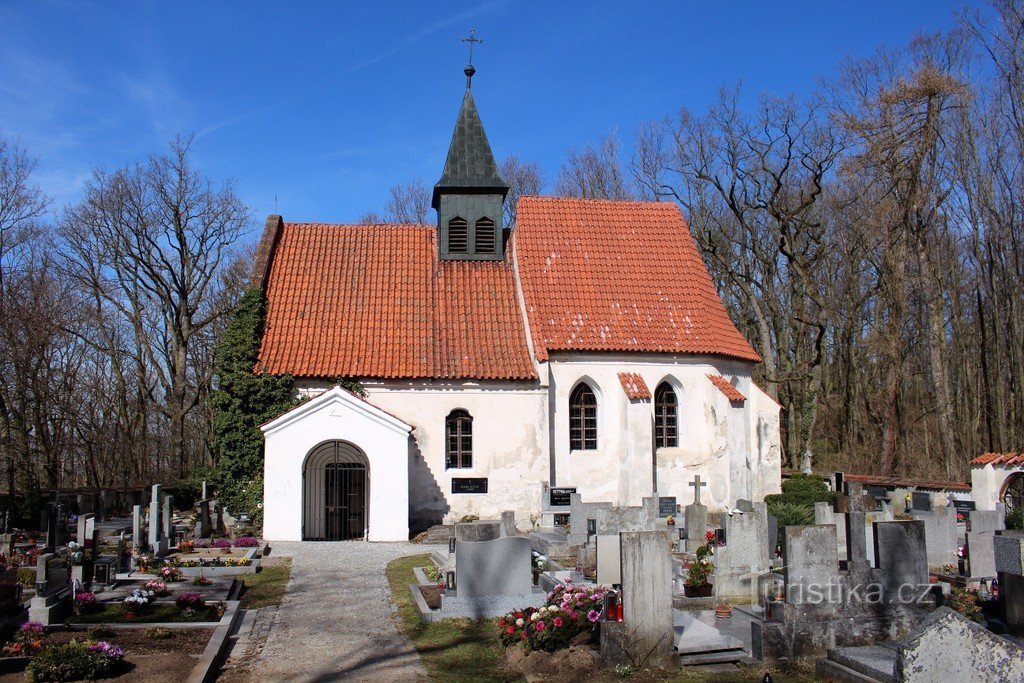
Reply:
x=337, y=619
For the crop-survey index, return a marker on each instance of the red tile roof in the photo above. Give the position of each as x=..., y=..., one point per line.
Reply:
x=903, y=482
x=999, y=459
x=375, y=301
x=634, y=385
x=618, y=276
x=731, y=392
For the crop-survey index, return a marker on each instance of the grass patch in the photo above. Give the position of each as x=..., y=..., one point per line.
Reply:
x=267, y=586
x=161, y=613
x=453, y=649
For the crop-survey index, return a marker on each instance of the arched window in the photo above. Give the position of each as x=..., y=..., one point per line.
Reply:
x=458, y=430
x=484, y=236
x=666, y=410
x=458, y=236
x=582, y=418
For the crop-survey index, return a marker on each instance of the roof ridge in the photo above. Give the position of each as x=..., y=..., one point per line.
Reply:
x=318, y=224
x=597, y=200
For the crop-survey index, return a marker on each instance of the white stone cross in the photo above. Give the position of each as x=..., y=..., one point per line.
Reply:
x=696, y=484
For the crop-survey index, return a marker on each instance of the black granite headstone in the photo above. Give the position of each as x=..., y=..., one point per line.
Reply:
x=561, y=497
x=666, y=506
x=921, y=500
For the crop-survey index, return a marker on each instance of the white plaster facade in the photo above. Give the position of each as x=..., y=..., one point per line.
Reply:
x=336, y=415
x=988, y=483
x=521, y=439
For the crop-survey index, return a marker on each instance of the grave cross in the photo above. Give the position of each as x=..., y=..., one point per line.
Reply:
x=696, y=484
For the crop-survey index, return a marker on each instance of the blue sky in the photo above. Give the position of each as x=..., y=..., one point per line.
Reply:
x=325, y=105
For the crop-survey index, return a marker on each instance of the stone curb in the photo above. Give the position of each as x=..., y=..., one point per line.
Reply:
x=206, y=668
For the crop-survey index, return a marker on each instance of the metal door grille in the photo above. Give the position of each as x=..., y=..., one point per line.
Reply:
x=335, y=493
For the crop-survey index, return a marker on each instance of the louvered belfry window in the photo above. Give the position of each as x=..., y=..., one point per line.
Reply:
x=458, y=236
x=458, y=430
x=666, y=410
x=485, y=236
x=582, y=419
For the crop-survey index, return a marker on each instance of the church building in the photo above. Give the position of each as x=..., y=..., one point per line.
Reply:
x=586, y=346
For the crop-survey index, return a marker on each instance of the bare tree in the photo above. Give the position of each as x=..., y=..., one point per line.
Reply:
x=409, y=203
x=522, y=178
x=594, y=172
x=163, y=234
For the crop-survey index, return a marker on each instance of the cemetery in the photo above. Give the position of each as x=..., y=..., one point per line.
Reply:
x=161, y=583
x=861, y=594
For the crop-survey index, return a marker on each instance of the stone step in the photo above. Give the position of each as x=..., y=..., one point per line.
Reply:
x=723, y=657
x=829, y=670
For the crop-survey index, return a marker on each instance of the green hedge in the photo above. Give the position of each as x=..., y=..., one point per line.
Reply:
x=795, y=505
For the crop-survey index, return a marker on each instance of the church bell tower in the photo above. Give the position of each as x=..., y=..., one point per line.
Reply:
x=470, y=194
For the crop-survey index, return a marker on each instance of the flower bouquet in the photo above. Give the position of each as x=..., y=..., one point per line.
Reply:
x=84, y=602
x=27, y=640
x=137, y=602
x=192, y=606
x=158, y=587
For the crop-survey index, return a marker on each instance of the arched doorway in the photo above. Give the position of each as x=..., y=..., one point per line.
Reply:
x=1013, y=493
x=335, y=493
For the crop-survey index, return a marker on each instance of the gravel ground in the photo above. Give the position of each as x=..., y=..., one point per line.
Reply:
x=337, y=619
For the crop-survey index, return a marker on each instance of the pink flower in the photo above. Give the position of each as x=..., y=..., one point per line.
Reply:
x=558, y=622
x=572, y=615
x=593, y=615
x=541, y=626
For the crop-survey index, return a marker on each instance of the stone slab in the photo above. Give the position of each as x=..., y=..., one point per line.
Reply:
x=811, y=561
x=647, y=593
x=483, y=530
x=501, y=566
x=949, y=647
x=693, y=636
x=981, y=554
x=744, y=558
x=1009, y=554
x=988, y=520
x=940, y=534
x=617, y=519
x=609, y=570
x=902, y=556
x=877, y=662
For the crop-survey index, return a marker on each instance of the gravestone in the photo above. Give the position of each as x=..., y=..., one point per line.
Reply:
x=157, y=542
x=811, y=565
x=482, y=530
x=508, y=523
x=981, y=553
x=609, y=567
x=206, y=492
x=744, y=505
x=203, y=523
x=52, y=602
x=773, y=536
x=856, y=541
x=940, y=534
x=988, y=520
x=901, y=549
x=613, y=520
x=695, y=525
x=647, y=594
x=949, y=647
x=666, y=506
x=138, y=540
x=825, y=514
x=493, y=567
x=1009, y=552
x=697, y=484
x=86, y=524
x=744, y=558
x=580, y=516
x=168, y=526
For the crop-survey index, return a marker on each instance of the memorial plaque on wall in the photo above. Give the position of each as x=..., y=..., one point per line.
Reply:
x=666, y=506
x=469, y=485
x=921, y=500
x=561, y=497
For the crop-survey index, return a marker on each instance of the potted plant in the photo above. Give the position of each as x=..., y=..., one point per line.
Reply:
x=699, y=569
x=137, y=602
x=539, y=563
x=723, y=610
x=671, y=521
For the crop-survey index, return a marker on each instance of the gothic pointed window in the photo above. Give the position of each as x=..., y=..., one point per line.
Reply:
x=458, y=236
x=582, y=418
x=666, y=411
x=458, y=430
x=484, y=236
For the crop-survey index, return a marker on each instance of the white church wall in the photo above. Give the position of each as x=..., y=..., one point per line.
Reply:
x=716, y=438
x=509, y=445
x=766, y=445
x=289, y=439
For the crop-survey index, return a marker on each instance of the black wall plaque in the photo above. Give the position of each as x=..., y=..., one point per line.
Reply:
x=921, y=500
x=561, y=497
x=666, y=506
x=469, y=485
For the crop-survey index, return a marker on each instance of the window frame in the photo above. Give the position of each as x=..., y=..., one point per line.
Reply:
x=584, y=425
x=487, y=225
x=458, y=432
x=666, y=416
x=463, y=225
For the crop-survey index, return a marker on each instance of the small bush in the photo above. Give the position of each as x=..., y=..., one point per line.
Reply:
x=159, y=633
x=247, y=542
x=221, y=543
x=791, y=514
x=469, y=518
x=74, y=661
x=1014, y=520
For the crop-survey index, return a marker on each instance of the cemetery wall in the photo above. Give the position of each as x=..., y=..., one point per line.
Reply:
x=987, y=483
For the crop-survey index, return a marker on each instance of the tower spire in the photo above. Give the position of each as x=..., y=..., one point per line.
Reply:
x=470, y=69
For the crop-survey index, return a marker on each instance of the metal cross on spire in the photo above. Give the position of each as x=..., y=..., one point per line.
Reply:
x=470, y=70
